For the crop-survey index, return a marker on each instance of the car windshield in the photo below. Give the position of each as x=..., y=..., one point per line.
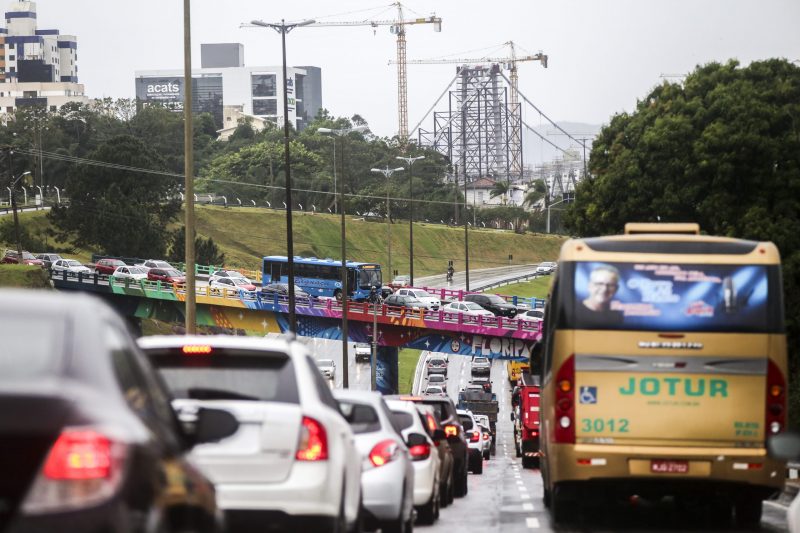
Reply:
x=495, y=299
x=240, y=281
x=137, y=270
x=27, y=256
x=480, y=361
x=325, y=362
x=227, y=374
x=433, y=390
x=401, y=419
x=437, y=362
x=466, y=421
x=73, y=263
x=473, y=306
x=421, y=294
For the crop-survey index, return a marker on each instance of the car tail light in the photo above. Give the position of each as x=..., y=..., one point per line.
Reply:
x=486, y=436
x=383, y=452
x=420, y=452
x=191, y=349
x=313, y=443
x=475, y=436
x=83, y=468
x=565, y=404
x=776, y=399
x=451, y=430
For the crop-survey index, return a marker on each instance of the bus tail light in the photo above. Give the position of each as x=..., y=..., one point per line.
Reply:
x=776, y=399
x=565, y=402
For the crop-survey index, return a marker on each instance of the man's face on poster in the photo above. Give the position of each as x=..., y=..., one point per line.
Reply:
x=603, y=285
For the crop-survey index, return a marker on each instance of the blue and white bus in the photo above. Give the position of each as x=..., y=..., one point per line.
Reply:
x=322, y=277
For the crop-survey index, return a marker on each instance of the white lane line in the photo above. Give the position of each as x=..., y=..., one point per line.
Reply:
x=527, y=507
x=524, y=496
x=532, y=523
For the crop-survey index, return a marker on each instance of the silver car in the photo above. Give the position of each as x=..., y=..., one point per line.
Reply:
x=424, y=456
x=387, y=481
x=293, y=461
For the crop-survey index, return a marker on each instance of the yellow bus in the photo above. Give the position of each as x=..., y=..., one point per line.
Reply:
x=664, y=371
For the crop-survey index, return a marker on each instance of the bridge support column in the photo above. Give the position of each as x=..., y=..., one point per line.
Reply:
x=387, y=371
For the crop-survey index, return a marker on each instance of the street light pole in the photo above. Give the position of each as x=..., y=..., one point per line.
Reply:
x=547, y=229
x=410, y=162
x=283, y=29
x=338, y=133
x=387, y=172
x=14, y=182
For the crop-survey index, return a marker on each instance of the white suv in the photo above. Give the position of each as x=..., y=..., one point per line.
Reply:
x=474, y=437
x=294, y=458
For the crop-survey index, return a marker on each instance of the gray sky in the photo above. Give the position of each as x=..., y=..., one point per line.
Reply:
x=603, y=54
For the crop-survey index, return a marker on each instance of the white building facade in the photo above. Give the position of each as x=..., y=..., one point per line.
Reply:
x=38, y=67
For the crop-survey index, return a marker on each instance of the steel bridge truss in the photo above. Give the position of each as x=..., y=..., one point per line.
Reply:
x=481, y=131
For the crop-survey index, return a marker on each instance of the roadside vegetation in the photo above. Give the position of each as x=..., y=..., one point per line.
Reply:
x=535, y=288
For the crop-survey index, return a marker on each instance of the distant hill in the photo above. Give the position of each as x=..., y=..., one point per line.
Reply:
x=536, y=151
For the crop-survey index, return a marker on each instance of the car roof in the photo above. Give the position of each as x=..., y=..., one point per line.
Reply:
x=266, y=344
x=364, y=396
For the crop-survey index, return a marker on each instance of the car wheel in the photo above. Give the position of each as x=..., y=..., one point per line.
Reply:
x=478, y=466
x=426, y=514
x=461, y=487
x=358, y=526
x=486, y=455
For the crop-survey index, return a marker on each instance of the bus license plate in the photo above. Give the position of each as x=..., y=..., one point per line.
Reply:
x=669, y=467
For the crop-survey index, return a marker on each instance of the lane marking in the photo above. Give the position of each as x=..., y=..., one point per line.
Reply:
x=527, y=507
x=524, y=496
x=532, y=523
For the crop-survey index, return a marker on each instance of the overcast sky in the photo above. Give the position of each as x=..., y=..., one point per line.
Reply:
x=604, y=54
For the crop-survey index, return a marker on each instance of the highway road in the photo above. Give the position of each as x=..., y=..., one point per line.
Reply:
x=507, y=498
x=476, y=277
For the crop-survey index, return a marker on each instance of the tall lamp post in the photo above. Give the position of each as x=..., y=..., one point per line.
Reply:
x=410, y=162
x=188, y=179
x=387, y=172
x=547, y=230
x=14, y=182
x=343, y=273
x=338, y=133
x=283, y=28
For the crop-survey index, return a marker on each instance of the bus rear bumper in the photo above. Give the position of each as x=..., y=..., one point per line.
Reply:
x=667, y=470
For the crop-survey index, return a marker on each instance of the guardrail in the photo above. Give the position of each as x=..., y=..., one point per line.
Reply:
x=307, y=305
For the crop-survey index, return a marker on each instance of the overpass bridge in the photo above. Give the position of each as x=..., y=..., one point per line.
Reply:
x=254, y=313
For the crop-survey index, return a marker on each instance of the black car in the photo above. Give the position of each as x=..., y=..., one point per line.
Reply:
x=447, y=416
x=407, y=302
x=88, y=436
x=493, y=303
x=282, y=290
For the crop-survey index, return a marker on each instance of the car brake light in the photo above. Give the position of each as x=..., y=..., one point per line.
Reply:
x=190, y=349
x=313, y=443
x=431, y=423
x=475, y=437
x=776, y=399
x=486, y=436
x=83, y=468
x=565, y=407
x=383, y=452
x=450, y=430
x=420, y=452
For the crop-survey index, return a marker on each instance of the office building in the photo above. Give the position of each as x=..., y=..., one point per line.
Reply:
x=228, y=89
x=38, y=67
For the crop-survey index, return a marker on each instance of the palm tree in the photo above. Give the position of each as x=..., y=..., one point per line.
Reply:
x=536, y=192
x=501, y=188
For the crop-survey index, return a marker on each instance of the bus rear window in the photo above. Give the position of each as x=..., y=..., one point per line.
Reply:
x=674, y=297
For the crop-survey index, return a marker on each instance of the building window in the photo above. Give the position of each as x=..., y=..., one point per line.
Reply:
x=11, y=58
x=10, y=109
x=13, y=69
x=263, y=85
x=11, y=45
x=265, y=106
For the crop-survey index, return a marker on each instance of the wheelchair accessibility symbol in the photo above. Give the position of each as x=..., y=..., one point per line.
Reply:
x=587, y=395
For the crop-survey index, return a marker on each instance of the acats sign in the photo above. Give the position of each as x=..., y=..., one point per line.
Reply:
x=163, y=88
x=159, y=89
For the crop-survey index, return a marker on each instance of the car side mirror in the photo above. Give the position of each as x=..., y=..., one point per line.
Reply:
x=439, y=435
x=209, y=425
x=785, y=446
x=513, y=417
x=416, y=439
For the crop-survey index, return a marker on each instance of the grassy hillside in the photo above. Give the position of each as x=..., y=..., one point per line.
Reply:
x=247, y=234
x=29, y=277
x=536, y=288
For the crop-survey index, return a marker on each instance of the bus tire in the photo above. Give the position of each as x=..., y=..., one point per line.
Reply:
x=560, y=507
x=748, y=511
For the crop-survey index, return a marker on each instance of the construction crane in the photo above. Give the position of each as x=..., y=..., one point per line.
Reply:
x=397, y=27
x=509, y=63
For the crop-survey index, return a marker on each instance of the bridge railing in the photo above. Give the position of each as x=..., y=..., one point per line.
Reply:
x=365, y=309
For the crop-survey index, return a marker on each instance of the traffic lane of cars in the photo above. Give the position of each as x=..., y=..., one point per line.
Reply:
x=98, y=425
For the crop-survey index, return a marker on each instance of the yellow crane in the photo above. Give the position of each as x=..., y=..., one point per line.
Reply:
x=397, y=26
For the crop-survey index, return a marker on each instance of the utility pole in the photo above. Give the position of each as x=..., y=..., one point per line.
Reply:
x=387, y=172
x=188, y=163
x=410, y=162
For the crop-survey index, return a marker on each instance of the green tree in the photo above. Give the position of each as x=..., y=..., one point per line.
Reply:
x=116, y=208
x=722, y=149
x=501, y=188
x=206, y=251
x=536, y=192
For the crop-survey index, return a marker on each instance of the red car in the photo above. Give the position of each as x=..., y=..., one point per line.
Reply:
x=12, y=257
x=168, y=275
x=107, y=266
